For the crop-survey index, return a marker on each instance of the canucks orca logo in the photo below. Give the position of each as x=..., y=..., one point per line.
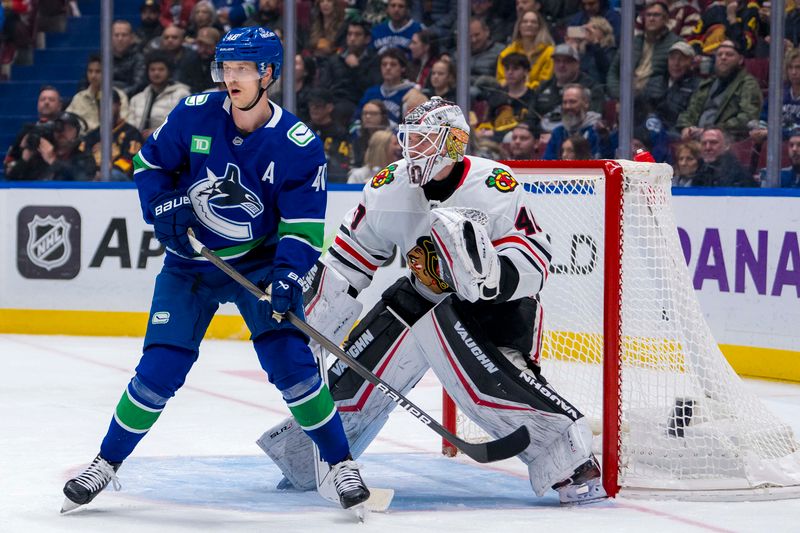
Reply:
x=224, y=205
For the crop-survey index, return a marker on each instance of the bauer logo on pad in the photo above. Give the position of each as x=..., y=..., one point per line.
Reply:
x=48, y=242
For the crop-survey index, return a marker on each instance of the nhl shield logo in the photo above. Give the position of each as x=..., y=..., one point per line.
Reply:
x=48, y=242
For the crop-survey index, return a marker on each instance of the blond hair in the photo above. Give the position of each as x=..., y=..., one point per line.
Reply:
x=607, y=41
x=377, y=154
x=542, y=38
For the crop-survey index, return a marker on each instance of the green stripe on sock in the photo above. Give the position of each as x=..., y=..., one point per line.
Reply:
x=310, y=411
x=134, y=415
x=313, y=232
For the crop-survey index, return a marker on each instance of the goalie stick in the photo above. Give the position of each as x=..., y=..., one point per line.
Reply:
x=483, y=452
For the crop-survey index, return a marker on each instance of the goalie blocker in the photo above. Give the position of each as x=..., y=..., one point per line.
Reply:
x=404, y=335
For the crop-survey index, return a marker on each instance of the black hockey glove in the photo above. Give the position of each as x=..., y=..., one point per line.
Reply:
x=286, y=293
x=172, y=216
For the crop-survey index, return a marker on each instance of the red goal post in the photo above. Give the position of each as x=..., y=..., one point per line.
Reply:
x=625, y=341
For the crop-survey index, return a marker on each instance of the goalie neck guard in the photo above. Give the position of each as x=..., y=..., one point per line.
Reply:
x=433, y=136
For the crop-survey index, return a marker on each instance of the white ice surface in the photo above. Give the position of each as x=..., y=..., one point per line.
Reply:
x=200, y=470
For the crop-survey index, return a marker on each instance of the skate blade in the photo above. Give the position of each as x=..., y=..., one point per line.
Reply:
x=68, y=506
x=360, y=512
x=582, y=503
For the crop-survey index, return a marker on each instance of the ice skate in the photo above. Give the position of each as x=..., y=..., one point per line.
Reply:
x=82, y=489
x=584, y=486
x=348, y=483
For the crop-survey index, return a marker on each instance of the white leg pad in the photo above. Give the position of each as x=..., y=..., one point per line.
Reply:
x=558, y=460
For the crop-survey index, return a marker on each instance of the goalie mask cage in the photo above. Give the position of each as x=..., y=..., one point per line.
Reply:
x=625, y=341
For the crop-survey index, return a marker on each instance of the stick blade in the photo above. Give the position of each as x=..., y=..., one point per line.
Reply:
x=379, y=500
x=496, y=450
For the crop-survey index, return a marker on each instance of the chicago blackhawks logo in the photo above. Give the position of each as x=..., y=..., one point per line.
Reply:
x=384, y=177
x=501, y=180
x=225, y=205
x=424, y=263
x=456, y=143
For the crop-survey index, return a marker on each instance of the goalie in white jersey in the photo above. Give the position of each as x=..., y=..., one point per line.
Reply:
x=469, y=309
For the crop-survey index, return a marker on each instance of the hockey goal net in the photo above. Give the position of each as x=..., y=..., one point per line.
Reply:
x=626, y=342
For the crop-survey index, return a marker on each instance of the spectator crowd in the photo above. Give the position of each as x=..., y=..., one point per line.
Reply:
x=544, y=82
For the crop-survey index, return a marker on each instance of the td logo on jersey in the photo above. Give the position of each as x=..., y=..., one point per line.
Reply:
x=48, y=242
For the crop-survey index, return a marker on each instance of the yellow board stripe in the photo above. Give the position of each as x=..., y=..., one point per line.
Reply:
x=752, y=361
x=103, y=323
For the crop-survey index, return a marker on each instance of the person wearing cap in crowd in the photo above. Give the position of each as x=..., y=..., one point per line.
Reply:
x=125, y=143
x=547, y=97
x=86, y=103
x=204, y=44
x=150, y=107
x=682, y=82
x=728, y=100
x=525, y=141
x=334, y=137
x=149, y=25
x=52, y=154
x=650, y=51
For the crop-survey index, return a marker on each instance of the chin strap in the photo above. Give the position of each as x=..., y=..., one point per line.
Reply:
x=261, y=91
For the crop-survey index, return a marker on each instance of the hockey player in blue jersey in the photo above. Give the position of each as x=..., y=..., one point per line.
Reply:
x=249, y=178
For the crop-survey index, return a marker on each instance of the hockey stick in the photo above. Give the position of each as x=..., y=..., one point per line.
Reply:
x=483, y=452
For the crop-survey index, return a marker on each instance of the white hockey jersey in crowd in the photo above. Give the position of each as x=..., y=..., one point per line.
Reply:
x=392, y=213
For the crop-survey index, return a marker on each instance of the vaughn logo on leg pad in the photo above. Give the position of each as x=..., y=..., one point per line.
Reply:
x=48, y=242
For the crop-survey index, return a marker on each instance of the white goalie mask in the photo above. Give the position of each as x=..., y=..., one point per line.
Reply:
x=434, y=134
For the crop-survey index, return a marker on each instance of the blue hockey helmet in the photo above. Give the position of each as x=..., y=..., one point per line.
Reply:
x=253, y=43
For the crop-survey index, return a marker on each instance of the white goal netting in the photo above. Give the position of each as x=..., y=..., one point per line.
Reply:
x=687, y=421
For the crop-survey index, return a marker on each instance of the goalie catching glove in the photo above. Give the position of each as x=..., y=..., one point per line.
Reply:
x=468, y=261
